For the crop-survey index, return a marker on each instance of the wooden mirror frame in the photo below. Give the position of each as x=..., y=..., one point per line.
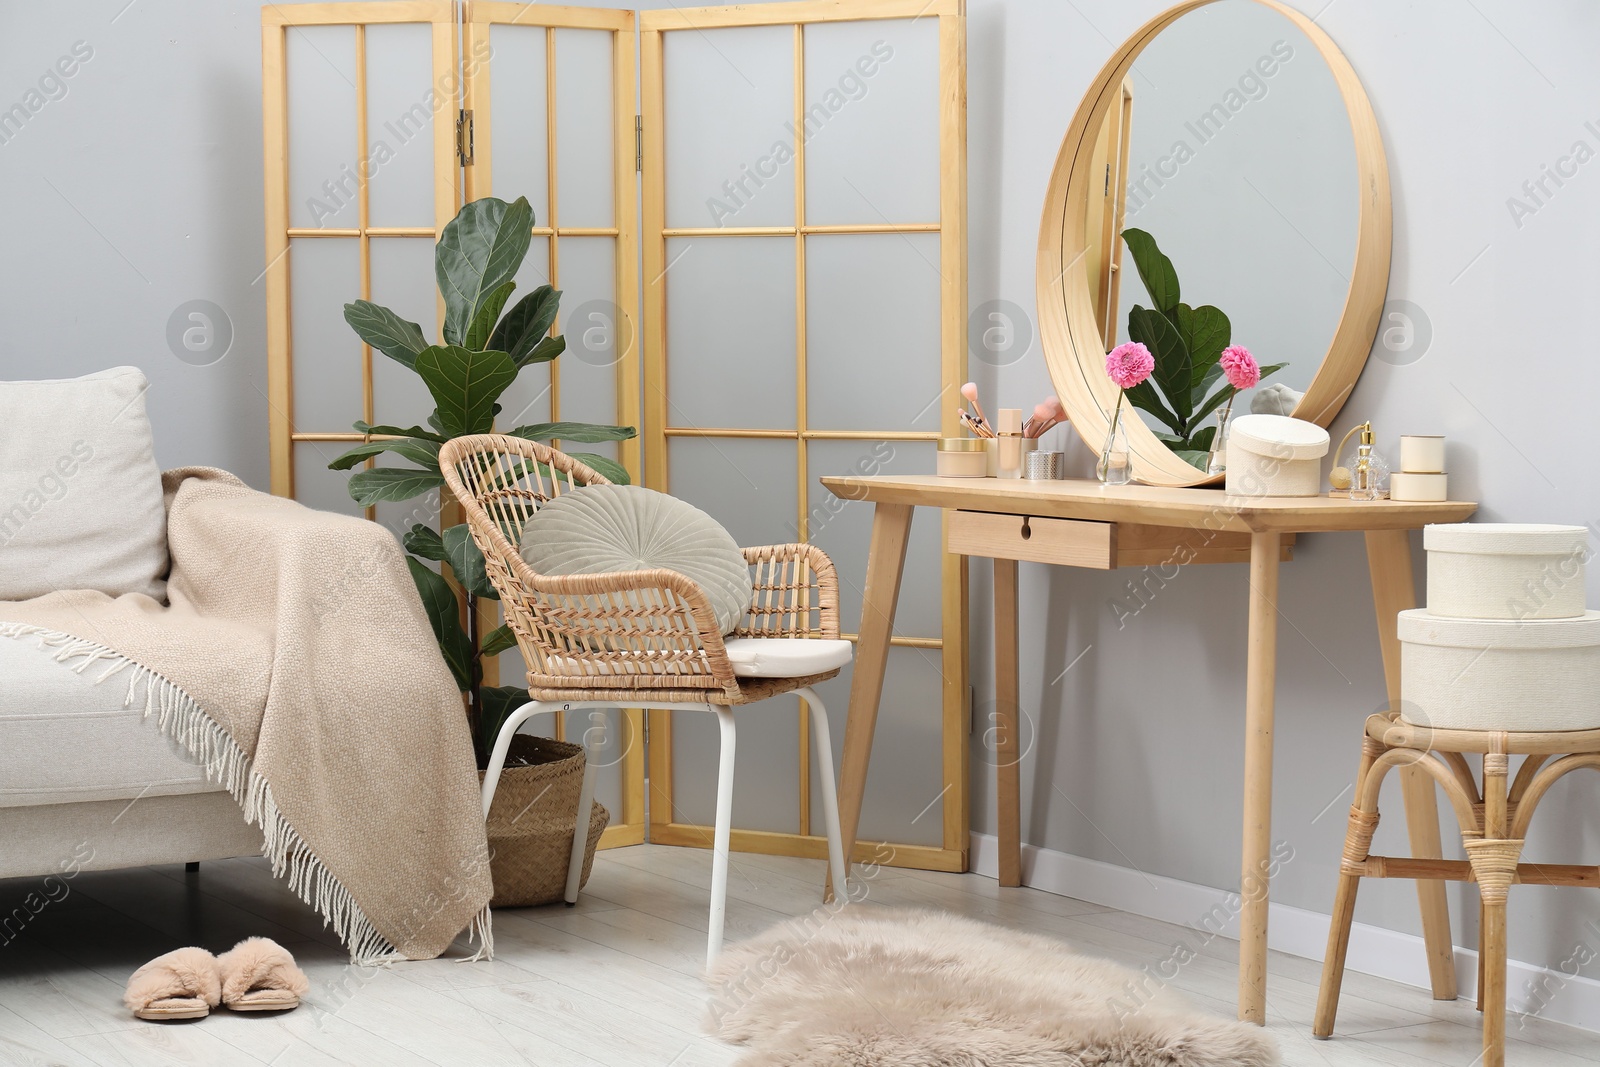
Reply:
x=1068, y=330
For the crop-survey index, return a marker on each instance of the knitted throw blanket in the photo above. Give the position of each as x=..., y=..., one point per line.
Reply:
x=295, y=663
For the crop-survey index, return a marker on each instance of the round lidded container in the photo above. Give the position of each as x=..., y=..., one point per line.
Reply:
x=961, y=457
x=1274, y=455
x=1506, y=570
x=1499, y=674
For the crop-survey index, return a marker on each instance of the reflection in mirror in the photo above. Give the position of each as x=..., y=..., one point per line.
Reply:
x=1230, y=167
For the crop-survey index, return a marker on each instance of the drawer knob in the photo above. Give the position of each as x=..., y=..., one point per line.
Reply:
x=1027, y=531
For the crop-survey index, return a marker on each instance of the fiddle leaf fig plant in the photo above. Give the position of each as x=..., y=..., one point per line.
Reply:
x=485, y=348
x=1187, y=344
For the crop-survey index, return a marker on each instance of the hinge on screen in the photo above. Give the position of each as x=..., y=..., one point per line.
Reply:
x=638, y=143
x=1107, y=191
x=464, y=137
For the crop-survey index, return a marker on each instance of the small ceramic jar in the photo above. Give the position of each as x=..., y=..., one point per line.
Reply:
x=961, y=457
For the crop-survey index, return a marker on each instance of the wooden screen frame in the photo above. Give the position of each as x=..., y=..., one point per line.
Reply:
x=452, y=26
x=477, y=99
x=952, y=854
x=276, y=22
x=1067, y=328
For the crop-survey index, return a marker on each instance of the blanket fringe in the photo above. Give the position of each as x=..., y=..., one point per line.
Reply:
x=226, y=764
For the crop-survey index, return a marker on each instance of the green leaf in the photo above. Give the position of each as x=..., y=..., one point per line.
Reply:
x=424, y=453
x=609, y=469
x=444, y=614
x=384, y=330
x=424, y=541
x=544, y=351
x=465, y=385
x=478, y=252
x=395, y=431
x=1201, y=439
x=466, y=562
x=1217, y=399
x=1155, y=269
x=1205, y=331
x=1167, y=438
x=500, y=639
x=1156, y=332
x=526, y=324
x=1143, y=396
x=1200, y=460
x=584, y=432
x=483, y=322
x=498, y=704
x=391, y=483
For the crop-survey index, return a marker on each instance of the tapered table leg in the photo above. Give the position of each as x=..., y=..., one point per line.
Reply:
x=1393, y=591
x=1007, y=743
x=1260, y=679
x=886, y=561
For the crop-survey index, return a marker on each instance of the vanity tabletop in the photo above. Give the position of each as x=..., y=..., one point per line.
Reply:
x=1077, y=498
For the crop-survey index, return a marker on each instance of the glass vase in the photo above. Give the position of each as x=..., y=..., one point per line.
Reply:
x=1217, y=462
x=1115, y=467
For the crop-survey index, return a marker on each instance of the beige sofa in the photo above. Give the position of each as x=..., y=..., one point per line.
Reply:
x=88, y=784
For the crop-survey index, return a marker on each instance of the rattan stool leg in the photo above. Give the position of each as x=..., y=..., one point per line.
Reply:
x=1357, y=844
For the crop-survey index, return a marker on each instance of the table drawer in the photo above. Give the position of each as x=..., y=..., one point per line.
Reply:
x=1068, y=542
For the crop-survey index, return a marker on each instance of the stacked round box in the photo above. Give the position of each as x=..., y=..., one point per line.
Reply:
x=1505, y=642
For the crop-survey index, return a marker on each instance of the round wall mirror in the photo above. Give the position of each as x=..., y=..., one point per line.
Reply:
x=1222, y=183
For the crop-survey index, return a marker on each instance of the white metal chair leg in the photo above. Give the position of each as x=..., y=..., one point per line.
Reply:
x=502, y=743
x=830, y=795
x=580, y=833
x=719, y=856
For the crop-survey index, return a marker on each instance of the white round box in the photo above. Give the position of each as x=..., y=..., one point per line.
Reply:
x=1492, y=674
x=1274, y=455
x=1492, y=570
x=1421, y=454
x=1409, y=485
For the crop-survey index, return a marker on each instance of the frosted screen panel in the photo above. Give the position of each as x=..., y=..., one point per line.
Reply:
x=402, y=107
x=324, y=273
x=731, y=332
x=315, y=485
x=323, y=146
x=766, y=788
x=584, y=128
x=729, y=104
x=403, y=282
x=528, y=398
x=589, y=322
x=842, y=529
x=872, y=332
x=520, y=161
x=872, y=121
x=748, y=486
x=903, y=791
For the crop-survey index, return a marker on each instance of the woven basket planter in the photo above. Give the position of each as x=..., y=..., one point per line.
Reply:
x=1495, y=570
x=1493, y=674
x=532, y=818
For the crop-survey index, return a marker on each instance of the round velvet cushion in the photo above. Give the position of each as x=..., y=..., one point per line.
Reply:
x=603, y=529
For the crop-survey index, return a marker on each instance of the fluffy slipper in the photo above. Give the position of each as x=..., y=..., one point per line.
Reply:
x=258, y=974
x=183, y=984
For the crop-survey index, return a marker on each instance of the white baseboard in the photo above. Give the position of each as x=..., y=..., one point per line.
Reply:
x=1374, y=950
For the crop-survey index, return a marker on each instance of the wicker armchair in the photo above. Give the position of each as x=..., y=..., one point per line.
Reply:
x=646, y=638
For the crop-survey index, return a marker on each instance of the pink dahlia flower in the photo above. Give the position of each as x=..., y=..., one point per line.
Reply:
x=1240, y=367
x=1129, y=364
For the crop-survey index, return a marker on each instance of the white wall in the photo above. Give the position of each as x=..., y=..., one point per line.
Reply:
x=140, y=189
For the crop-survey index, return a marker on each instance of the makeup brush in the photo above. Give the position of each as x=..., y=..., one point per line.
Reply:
x=1047, y=414
x=973, y=425
x=970, y=391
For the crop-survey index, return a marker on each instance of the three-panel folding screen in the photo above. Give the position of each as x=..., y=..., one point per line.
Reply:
x=756, y=216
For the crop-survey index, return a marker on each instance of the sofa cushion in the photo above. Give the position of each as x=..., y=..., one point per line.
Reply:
x=80, y=492
x=65, y=739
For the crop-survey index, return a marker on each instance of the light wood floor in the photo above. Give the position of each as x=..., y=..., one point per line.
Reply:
x=610, y=983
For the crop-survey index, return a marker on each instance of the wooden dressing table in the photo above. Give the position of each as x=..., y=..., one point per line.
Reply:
x=1084, y=524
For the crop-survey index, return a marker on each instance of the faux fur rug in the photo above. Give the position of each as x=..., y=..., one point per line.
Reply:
x=893, y=988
